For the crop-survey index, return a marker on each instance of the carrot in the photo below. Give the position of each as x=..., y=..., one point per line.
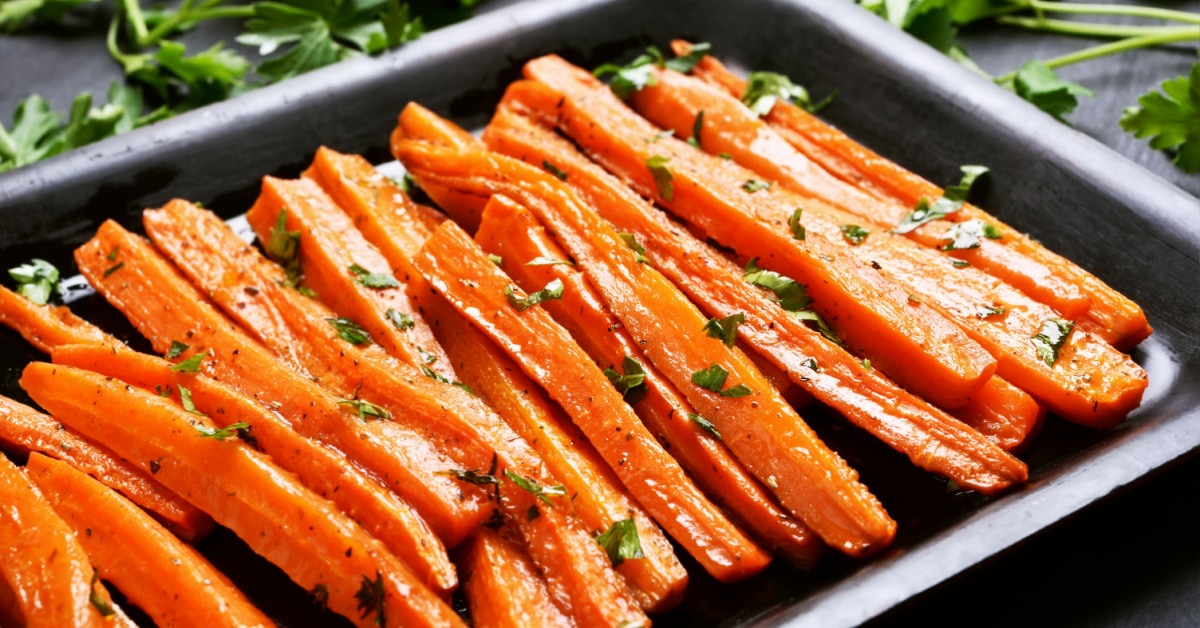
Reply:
x=914, y=345
x=905, y=422
x=43, y=565
x=318, y=547
x=1098, y=392
x=347, y=272
x=461, y=423
x=157, y=572
x=1007, y=415
x=165, y=308
x=47, y=326
x=24, y=430
x=416, y=121
x=1111, y=316
x=503, y=587
x=731, y=128
x=322, y=469
x=10, y=609
x=514, y=234
x=656, y=581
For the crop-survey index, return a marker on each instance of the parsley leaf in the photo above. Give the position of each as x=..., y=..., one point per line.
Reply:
x=367, y=409
x=35, y=134
x=225, y=433
x=1050, y=340
x=713, y=378
x=543, y=493
x=764, y=89
x=631, y=385
x=631, y=241
x=754, y=185
x=662, y=177
x=725, y=329
x=697, y=127
x=190, y=365
x=1171, y=118
x=554, y=170
x=36, y=280
x=632, y=77
x=283, y=246
x=968, y=233
x=684, y=64
x=987, y=311
x=854, y=234
x=553, y=290
x=185, y=398
x=798, y=231
x=373, y=280
x=705, y=425
x=176, y=350
x=399, y=320
x=1038, y=84
x=350, y=331
x=16, y=13
x=102, y=606
x=370, y=597
x=951, y=201
x=495, y=259
x=792, y=295
x=620, y=541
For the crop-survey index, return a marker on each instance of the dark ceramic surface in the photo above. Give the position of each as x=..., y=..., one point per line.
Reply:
x=906, y=101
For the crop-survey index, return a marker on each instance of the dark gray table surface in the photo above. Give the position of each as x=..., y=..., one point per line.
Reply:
x=1133, y=560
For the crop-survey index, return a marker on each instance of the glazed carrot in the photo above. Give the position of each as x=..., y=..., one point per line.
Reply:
x=347, y=272
x=10, y=609
x=420, y=123
x=731, y=128
x=1098, y=391
x=317, y=546
x=503, y=587
x=24, y=430
x=514, y=234
x=322, y=469
x=166, y=308
x=1007, y=415
x=903, y=421
x=1111, y=316
x=549, y=356
x=138, y=556
x=41, y=562
x=913, y=344
x=657, y=581
x=47, y=326
x=463, y=425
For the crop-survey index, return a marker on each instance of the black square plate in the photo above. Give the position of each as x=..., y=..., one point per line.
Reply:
x=895, y=95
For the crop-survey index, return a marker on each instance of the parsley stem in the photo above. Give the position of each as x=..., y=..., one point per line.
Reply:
x=133, y=17
x=1185, y=33
x=186, y=14
x=1085, y=29
x=1115, y=9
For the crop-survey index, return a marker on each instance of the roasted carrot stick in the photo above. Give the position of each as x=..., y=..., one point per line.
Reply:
x=322, y=469
x=47, y=326
x=140, y=557
x=731, y=128
x=318, y=547
x=1007, y=415
x=913, y=344
x=578, y=571
x=42, y=563
x=656, y=581
x=1111, y=316
x=503, y=587
x=903, y=421
x=347, y=272
x=24, y=430
x=166, y=308
x=414, y=123
x=514, y=234
x=993, y=314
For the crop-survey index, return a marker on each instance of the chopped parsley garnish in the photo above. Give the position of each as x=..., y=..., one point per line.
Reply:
x=398, y=319
x=705, y=424
x=631, y=385
x=114, y=268
x=790, y=294
x=112, y=255
x=553, y=290
x=370, y=598
x=495, y=259
x=764, y=89
x=754, y=185
x=811, y=363
x=36, y=280
x=542, y=260
x=631, y=241
x=960, y=263
x=103, y=607
x=225, y=433
x=684, y=64
x=725, y=329
x=968, y=234
x=176, y=350
x=697, y=126
x=713, y=378
x=552, y=169
x=477, y=476
x=661, y=134
x=620, y=541
x=951, y=201
x=632, y=77
x=798, y=232
x=350, y=331
x=283, y=246
x=367, y=411
x=854, y=234
x=662, y=177
x=543, y=493
x=986, y=311
x=373, y=280
x=190, y=365
x=1051, y=339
